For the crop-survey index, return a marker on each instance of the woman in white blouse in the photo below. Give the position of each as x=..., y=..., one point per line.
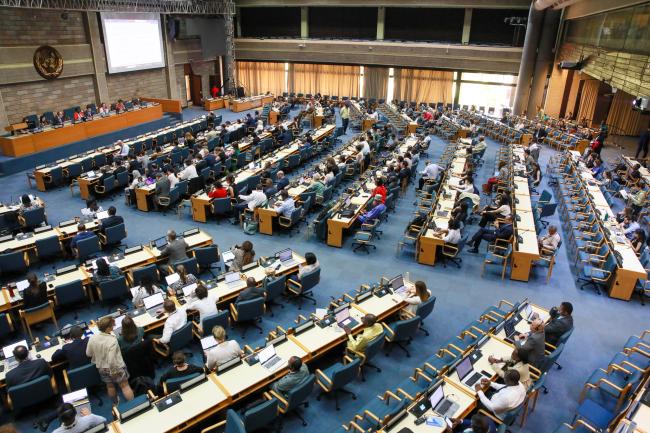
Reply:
x=146, y=288
x=415, y=296
x=204, y=303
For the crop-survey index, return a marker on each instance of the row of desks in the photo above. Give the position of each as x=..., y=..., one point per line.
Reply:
x=223, y=390
x=466, y=397
x=526, y=247
x=337, y=224
x=430, y=240
x=629, y=268
x=24, y=144
x=201, y=202
x=243, y=104
x=86, y=183
x=139, y=257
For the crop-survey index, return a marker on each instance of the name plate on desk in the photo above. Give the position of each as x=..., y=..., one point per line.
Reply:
x=132, y=250
x=169, y=401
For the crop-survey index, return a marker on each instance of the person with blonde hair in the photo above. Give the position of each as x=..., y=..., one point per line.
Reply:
x=224, y=351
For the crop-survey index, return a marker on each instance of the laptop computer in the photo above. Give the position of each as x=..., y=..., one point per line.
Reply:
x=233, y=280
x=286, y=258
x=101, y=215
x=118, y=324
x=466, y=373
x=208, y=343
x=8, y=353
x=188, y=290
x=269, y=359
x=153, y=303
x=442, y=405
x=79, y=399
x=509, y=328
x=343, y=318
x=398, y=286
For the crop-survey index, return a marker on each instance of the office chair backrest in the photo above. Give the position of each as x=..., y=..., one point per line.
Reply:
x=191, y=266
x=207, y=256
x=48, y=247
x=310, y=279
x=150, y=270
x=425, y=308
x=109, y=183
x=123, y=178
x=345, y=374
x=115, y=234
x=217, y=319
x=405, y=329
x=34, y=217
x=85, y=376
x=87, y=247
x=565, y=337
x=300, y=393
x=113, y=289
x=274, y=287
x=181, y=337
x=374, y=346
x=261, y=415
x=552, y=358
x=250, y=309
x=69, y=293
x=234, y=423
x=30, y=393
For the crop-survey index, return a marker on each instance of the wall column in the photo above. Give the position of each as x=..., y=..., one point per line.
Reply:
x=544, y=61
x=229, y=82
x=467, y=24
x=533, y=31
x=173, y=90
x=459, y=77
x=99, y=77
x=238, y=13
x=304, y=22
x=381, y=22
x=4, y=120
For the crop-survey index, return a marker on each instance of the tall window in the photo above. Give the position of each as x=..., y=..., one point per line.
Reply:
x=487, y=90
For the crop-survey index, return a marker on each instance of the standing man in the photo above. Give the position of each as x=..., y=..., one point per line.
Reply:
x=345, y=116
x=643, y=143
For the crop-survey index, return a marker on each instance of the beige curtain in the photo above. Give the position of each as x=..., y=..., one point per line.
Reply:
x=588, y=101
x=423, y=85
x=261, y=77
x=621, y=118
x=375, y=82
x=339, y=80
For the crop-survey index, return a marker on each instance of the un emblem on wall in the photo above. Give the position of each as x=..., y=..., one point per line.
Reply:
x=48, y=62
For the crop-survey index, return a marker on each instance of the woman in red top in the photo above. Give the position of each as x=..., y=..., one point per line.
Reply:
x=218, y=191
x=380, y=189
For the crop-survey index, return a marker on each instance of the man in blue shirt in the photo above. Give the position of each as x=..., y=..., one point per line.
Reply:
x=287, y=206
x=374, y=213
x=82, y=233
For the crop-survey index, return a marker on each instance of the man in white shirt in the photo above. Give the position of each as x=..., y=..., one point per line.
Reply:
x=431, y=171
x=251, y=201
x=189, y=172
x=550, y=241
x=176, y=319
x=286, y=206
x=173, y=180
x=124, y=148
x=506, y=398
x=365, y=150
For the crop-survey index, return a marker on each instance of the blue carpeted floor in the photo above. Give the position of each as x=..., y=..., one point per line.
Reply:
x=602, y=324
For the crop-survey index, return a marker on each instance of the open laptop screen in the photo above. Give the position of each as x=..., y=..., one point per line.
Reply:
x=153, y=301
x=265, y=354
x=464, y=368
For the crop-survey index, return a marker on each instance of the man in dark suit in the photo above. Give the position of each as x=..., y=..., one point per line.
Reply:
x=560, y=322
x=75, y=351
x=112, y=220
x=533, y=343
x=176, y=249
x=281, y=182
x=27, y=369
x=251, y=291
x=504, y=231
x=162, y=187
